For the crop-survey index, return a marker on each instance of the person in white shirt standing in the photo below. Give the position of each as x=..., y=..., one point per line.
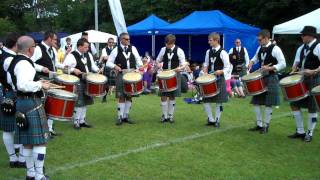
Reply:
x=170, y=57
x=272, y=61
x=32, y=131
x=46, y=58
x=80, y=62
x=216, y=62
x=124, y=58
x=307, y=61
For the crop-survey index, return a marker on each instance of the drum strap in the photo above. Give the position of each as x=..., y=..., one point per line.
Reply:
x=305, y=54
x=127, y=56
x=170, y=55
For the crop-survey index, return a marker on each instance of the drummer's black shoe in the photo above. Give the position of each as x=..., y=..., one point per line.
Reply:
x=13, y=164
x=210, y=123
x=256, y=128
x=119, y=122
x=308, y=138
x=30, y=178
x=85, y=125
x=217, y=125
x=264, y=130
x=45, y=177
x=22, y=165
x=127, y=120
x=297, y=136
x=76, y=127
x=163, y=119
x=171, y=118
x=54, y=133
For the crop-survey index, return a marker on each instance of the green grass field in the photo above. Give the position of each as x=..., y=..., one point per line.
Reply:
x=185, y=150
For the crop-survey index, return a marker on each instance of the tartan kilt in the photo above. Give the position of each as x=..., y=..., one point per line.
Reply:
x=120, y=88
x=83, y=99
x=7, y=123
x=272, y=96
x=37, y=132
x=111, y=75
x=243, y=71
x=222, y=97
x=308, y=102
x=176, y=93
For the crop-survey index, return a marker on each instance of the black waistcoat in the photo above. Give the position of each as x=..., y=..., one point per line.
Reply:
x=80, y=65
x=3, y=74
x=121, y=60
x=174, y=60
x=215, y=56
x=45, y=60
x=312, y=61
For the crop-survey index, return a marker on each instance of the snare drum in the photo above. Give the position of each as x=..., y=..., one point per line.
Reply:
x=167, y=81
x=132, y=83
x=293, y=88
x=208, y=85
x=69, y=81
x=96, y=85
x=316, y=96
x=59, y=104
x=254, y=83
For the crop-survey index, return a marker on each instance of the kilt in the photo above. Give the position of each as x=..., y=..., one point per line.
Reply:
x=222, y=97
x=111, y=75
x=243, y=70
x=176, y=93
x=7, y=123
x=119, y=87
x=83, y=99
x=37, y=132
x=308, y=102
x=272, y=96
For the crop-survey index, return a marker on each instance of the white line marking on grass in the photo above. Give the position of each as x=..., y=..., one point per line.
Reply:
x=148, y=147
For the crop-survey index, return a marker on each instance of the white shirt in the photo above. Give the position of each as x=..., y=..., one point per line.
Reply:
x=104, y=52
x=114, y=53
x=316, y=52
x=225, y=59
x=25, y=81
x=7, y=63
x=246, y=55
x=71, y=61
x=38, y=55
x=180, y=53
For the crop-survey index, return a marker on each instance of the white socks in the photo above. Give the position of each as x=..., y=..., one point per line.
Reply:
x=8, y=139
x=219, y=110
x=171, y=107
x=77, y=115
x=121, y=107
x=127, y=109
x=29, y=162
x=39, y=153
x=299, y=121
x=268, y=114
x=207, y=108
x=50, y=124
x=257, y=110
x=312, y=121
x=164, y=107
x=83, y=114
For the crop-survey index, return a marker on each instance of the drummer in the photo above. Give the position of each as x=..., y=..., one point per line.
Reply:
x=80, y=63
x=170, y=57
x=216, y=62
x=45, y=56
x=124, y=57
x=272, y=60
x=307, y=60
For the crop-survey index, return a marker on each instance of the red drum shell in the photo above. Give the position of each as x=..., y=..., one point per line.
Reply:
x=70, y=86
x=168, y=83
x=58, y=106
x=133, y=86
x=295, y=90
x=255, y=85
x=95, y=85
x=208, y=88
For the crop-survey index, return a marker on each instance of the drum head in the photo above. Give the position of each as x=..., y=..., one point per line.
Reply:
x=206, y=79
x=294, y=79
x=96, y=78
x=62, y=93
x=316, y=90
x=67, y=78
x=132, y=77
x=166, y=74
x=252, y=76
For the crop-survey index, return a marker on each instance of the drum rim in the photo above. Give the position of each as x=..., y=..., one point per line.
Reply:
x=94, y=82
x=291, y=83
x=132, y=81
x=313, y=90
x=213, y=80
x=59, y=80
x=52, y=94
x=167, y=77
x=260, y=76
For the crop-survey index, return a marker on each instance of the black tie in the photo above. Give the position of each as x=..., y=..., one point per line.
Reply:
x=126, y=49
x=306, y=47
x=50, y=50
x=214, y=50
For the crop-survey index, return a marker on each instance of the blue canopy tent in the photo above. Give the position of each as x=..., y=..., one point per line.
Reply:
x=146, y=29
x=199, y=24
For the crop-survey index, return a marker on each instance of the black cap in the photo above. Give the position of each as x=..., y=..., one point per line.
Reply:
x=309, y=30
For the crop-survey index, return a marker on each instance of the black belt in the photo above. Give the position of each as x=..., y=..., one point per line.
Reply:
x=30, y=95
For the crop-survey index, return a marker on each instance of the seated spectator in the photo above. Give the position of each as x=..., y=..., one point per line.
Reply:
x=147, y=70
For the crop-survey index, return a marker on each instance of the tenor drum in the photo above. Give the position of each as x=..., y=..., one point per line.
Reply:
x=69, y=81
x=254, y=83
x=293, y=88
x=132, y=83
x=167, y=81
x=315, y=92
x=96, y=85
x=59, y=104
x=208, y=85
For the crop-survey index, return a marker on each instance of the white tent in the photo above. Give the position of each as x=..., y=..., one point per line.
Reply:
x=296, y=25
x=93, y=37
